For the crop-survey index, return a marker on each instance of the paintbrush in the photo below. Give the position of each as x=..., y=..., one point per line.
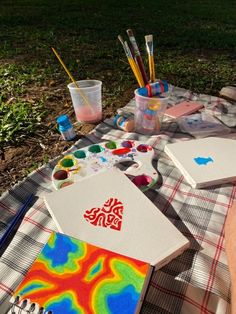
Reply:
x=149, y=46
x=72, y=79
x=20, y=214
x=132, y=63
x=137, y=55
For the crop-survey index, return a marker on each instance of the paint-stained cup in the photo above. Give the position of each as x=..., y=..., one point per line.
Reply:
x=87, y=100
x=149, y=113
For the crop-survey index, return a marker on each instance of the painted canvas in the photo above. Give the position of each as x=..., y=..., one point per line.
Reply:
x=205, y=162
x=110, y=211
x=74, y=277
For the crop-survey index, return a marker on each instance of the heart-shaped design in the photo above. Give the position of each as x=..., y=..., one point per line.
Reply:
x=108, y=216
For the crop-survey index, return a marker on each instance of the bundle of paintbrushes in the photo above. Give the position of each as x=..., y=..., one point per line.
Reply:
x=151, y=87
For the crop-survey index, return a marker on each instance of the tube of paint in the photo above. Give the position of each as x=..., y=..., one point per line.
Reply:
x=124, y=123
x=153, y=89
x=65, y=127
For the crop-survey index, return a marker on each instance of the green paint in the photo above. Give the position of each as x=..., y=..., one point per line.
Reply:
x=111, y=145
x=79, y=154
x=67, y=162
x=125, y=275
x=95, y=149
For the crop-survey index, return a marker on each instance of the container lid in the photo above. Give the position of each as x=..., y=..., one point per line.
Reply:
x=63, y=122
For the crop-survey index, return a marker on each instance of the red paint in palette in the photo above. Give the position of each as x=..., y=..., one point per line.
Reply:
x=121, y=151
x=60, y=175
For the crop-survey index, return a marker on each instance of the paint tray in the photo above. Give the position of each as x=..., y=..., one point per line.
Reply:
x=202, y=125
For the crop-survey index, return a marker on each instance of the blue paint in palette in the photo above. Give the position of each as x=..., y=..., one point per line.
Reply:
x=103, y=159
x=203, y=160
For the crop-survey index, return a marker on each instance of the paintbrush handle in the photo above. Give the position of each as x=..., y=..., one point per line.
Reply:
x=136, y=72
x=142, y=70
x=72, y=79
x=133, y=65
x=151, y=68
x=15, y=220
x=137, y=55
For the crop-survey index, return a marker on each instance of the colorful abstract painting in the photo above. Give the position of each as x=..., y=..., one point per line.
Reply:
x=73, y=277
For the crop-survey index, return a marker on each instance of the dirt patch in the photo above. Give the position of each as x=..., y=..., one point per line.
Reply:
x=18, y=161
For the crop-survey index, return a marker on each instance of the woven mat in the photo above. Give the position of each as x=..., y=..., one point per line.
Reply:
x=198, y=281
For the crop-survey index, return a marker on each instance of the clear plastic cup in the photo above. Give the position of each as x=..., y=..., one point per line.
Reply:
x=87, y=100
x=149, y=113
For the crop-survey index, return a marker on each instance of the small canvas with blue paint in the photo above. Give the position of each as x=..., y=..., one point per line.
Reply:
x=205, y=162
x=202, y=125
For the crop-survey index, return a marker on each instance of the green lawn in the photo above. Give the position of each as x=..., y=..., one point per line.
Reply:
x=194, y=46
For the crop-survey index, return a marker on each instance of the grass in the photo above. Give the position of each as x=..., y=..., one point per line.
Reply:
x=194, y=49
x=19, y=119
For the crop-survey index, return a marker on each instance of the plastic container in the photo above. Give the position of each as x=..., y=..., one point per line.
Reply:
x=149, y=113
x=87, y=100
x=65, y=127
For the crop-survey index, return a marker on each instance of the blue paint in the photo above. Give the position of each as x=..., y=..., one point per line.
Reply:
x=203, y=160
x=103, y=159
x=58, y=254
x=96, y=268
x=131, y=156
x=124, y=302
x=194, y=121
x=62, y=307
x=32, y=287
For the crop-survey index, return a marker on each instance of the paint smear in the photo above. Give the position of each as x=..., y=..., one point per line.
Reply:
x=67, y=162
x=203, y=160
x=95, y=149
x=142, y=148
x=111, y=145
x=128, y=144
x=121, y=151
x=66, y=183
x=80, y=154
x=60, y=175
x=142, y=180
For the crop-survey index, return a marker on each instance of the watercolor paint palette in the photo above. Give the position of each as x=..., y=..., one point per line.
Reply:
x=132, y=157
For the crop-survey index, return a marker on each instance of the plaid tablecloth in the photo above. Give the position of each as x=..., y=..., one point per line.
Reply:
x=198, y=281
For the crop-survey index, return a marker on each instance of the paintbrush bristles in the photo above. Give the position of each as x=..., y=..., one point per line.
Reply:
x=121, y=39
x=149, y=43
x=130, y=32
x=129, y=54
x=137, y=56
x=123, y=44
x=149, y=46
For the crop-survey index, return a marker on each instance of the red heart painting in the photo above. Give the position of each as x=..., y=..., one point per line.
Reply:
x=108, y=216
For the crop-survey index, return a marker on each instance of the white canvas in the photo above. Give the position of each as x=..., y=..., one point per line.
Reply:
x=145, y=233
x=205, y=162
